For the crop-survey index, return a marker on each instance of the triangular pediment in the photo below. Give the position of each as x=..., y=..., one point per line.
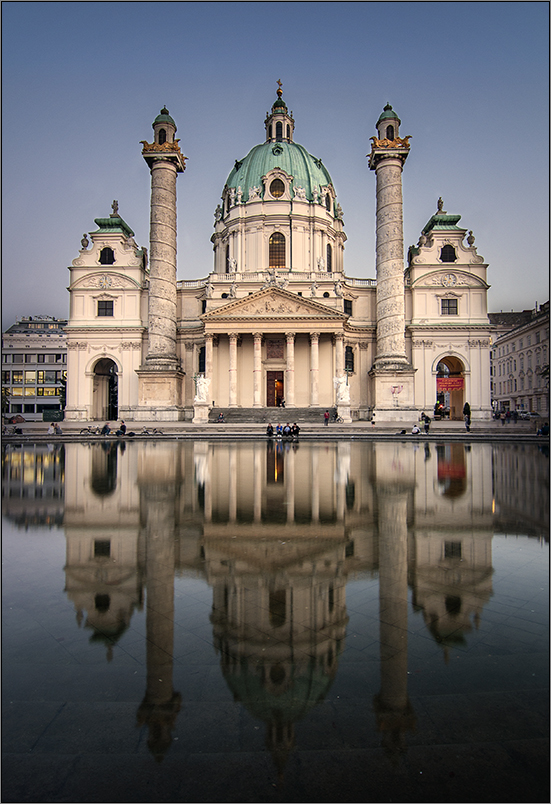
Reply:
x=274, y=303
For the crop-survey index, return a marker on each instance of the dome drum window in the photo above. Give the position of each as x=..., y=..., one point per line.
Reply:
x=277, y=188
x=277, y=251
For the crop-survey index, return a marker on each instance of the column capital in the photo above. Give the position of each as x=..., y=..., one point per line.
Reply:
x=290, y=336
x=338, y=336
x=314, y=336
x=258, y=336
x=233, y=336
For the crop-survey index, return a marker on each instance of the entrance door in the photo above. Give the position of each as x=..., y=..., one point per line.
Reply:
x=274, y=388
x=105, y=401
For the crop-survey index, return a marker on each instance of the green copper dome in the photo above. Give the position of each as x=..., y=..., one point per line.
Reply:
x=307, y=171
x=164, y=117
x=388, y=113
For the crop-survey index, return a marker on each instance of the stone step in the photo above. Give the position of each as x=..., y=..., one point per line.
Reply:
x=265, y=415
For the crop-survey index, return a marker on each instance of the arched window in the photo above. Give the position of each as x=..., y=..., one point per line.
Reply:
x=162, y=136
x=277, y=250
x=289, y=133
x=390, y=132
x=279, y=132
x=227, y=259
x=348, y=358
x=269, y=132
x=329, y=258
x=228, y=203
x=328, y=202
x=448, y=254
x=107, y=256
x=277, y=188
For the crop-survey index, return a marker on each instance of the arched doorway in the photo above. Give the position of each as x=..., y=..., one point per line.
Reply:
x=450, y=387
x=105, y=401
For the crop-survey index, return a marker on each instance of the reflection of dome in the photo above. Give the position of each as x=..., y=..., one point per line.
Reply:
x=302, y=687
x=307, y=171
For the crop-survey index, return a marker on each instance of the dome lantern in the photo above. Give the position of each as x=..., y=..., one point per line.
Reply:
x=388, y=124
x=279, y=123
x=164, y=127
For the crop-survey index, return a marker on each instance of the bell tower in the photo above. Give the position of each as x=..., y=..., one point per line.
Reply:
x=161, y=376
x=392, y=373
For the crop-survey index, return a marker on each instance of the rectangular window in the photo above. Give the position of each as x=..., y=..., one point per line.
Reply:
x=529, y=340
x=41, y=358
x=58, y=358
x=17, y=408
x=50, y=358
x=201, y=366
x=28, y=408
x=29, y=359
x=17, y=392
x=105, y=308
x=452, y=549
x=30, y=376
x=17, y=377
x=537, y=337
x=449, y=306
x=102, y=548
x=31, y=391
x=348, y=306
x=5, y=377
x=17, y=358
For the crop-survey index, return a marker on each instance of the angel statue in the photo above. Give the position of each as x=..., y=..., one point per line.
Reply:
x=343, y=390
x=201, y=388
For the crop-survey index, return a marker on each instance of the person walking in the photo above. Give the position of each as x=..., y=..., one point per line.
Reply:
x=467, y=416
x=326, y=418
x=427, y=424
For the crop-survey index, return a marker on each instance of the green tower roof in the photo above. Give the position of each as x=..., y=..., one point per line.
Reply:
x=164, y=117
x=113, y=225
x=388, y=113
x=442, y=221
x=294, y=159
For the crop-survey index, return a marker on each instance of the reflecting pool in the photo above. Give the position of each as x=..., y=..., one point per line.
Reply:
x=302, y=622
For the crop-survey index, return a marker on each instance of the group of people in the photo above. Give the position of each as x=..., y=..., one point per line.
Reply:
x=106, y=429
x=287, y=431
x=54, y=429
x=426, y=425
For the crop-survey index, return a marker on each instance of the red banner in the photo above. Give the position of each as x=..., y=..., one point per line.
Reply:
x=450, y=383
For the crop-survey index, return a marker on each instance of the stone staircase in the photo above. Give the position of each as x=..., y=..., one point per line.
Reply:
x=265, y=415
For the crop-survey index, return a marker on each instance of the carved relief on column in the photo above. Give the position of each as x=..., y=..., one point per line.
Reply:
x=257, y=369
x=390, y=265
x=290, y=371
x=314, y=369
x=233, y=371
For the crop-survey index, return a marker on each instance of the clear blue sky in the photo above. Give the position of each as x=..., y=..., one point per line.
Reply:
x=82, y=83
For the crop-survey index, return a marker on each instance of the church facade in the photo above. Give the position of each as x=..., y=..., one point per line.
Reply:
x=278, y=321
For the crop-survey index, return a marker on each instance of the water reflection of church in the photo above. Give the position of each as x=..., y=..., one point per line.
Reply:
x=277, y=530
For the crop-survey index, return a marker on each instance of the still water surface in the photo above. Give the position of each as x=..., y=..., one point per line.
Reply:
x=326, y=621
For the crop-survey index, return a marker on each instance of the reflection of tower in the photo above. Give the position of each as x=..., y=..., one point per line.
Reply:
x=394, y=712
x=160, y=378
x=392, y=372
x=160, y=704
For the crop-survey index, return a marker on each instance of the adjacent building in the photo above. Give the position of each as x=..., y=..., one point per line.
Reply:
x=520, y=364
x=278, y=319
x=34, y=367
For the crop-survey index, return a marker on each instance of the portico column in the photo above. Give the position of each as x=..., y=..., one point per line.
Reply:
x=233, y=371
x=258, y=447
x=314, y=369
x=315, y=486
x=290, y=483
x=209, y=339
x=257, y=368
x=339, y=354
x=290, y=371
x=232, y=471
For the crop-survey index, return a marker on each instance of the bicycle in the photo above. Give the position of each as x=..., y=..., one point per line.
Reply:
x=337, y=419
x=90, y=430
x=152, y=431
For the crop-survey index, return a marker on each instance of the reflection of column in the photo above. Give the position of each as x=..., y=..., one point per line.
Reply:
x=259, y=451
x=314, y=369
x=257, y=368
x=233, y=371
x=160, y=704
x=290, y=482
x=315, y=485
x=208, y=357
x=290, y=371
x=232, y=471
x=394, y=712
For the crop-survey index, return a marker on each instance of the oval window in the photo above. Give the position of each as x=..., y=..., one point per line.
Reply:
x=277, y=188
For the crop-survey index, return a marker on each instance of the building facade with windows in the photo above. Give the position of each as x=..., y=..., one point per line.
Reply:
x=520, y=365
x=34, y=366
x=278, y=319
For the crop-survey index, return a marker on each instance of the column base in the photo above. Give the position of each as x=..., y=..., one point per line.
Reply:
x=344, y=412
x=160, y=394
x=394, y=395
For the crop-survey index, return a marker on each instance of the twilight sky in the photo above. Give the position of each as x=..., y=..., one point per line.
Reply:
x=82, y=83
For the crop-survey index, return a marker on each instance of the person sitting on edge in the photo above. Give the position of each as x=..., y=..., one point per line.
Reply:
x=544, y=431
x=51, y=429
x=279, y=430
x=57, y=429
x=269, y=431
x=287, y=430
x=295, y=430
x=415, y=430
x=105, y=430
x=221, y=418
x=122, y=428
